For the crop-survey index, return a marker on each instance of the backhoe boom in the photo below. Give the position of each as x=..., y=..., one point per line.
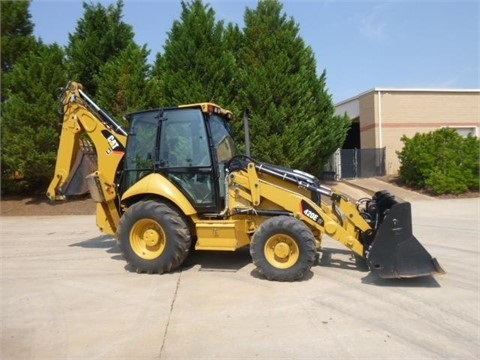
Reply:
x=81, y=116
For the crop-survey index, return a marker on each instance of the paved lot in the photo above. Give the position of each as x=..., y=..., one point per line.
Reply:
x=66, y=294
x=354, y=188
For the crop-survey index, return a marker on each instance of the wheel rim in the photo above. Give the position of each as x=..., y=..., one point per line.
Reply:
x=281, y=251
x=147, y=239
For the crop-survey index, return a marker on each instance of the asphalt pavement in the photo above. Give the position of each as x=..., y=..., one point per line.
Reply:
x=67, y=294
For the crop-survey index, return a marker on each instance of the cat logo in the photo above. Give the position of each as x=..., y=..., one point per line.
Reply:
x=114, y=144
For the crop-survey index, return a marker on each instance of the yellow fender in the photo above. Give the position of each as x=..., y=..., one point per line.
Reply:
x=159, y=185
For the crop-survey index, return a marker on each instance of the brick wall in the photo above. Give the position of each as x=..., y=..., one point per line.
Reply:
x=405, y=112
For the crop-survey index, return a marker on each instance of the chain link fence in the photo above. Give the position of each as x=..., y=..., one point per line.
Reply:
x=355, y=163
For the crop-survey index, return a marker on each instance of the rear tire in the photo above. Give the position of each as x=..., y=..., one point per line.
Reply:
x=283, y=249
x=153, y=237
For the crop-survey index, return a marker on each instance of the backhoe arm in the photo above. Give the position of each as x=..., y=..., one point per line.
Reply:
x=68, y=148
x=81, y=116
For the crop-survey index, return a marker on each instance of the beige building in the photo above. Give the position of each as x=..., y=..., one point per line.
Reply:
x=381, y=116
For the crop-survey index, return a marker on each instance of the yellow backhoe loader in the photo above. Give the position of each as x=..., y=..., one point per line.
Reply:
x=175, y=182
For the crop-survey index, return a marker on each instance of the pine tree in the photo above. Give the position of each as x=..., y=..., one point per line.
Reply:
x=292, y=115
x=123, y=82
x=17, y=32
x=16, y=36
x=99, y=36
x=29, y=119
x=196, y=65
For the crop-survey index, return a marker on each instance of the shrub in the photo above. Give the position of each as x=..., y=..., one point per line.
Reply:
x=442, y=162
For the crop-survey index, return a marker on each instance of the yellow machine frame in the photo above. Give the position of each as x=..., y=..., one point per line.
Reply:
x=252, y=193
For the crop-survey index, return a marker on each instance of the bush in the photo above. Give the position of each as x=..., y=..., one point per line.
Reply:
x=442, y=162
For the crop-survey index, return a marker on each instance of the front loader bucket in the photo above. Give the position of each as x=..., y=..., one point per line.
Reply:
x=395, y=252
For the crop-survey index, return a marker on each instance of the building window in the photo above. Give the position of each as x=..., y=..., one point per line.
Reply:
x=465, y=130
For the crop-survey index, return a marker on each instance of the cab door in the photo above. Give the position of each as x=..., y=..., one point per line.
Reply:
x=184, y=155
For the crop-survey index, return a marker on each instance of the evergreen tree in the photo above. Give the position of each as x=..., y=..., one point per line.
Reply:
x=292, y=115
x=29, y=119
x=233, y=41
x=99, y=36
x=16, y=36
x=17, y=30
x=156, y=82
x=123, y=82
x=196, y=65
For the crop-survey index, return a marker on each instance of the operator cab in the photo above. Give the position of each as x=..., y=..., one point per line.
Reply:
x=190, y=145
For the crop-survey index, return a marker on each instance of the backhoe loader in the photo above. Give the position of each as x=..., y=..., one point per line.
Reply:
x=174, y=182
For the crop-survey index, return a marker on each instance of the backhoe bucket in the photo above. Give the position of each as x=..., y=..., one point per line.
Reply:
x=85, y=164
x=395, y=252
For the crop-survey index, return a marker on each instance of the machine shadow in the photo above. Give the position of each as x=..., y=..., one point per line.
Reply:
x=337, y=258
x=345, y=259
x=217, y=261
x=258, y=275
x=107, y=242
x=228, y=261
x=418, y=282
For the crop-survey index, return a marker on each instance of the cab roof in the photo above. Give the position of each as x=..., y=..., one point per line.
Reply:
x=206, y=107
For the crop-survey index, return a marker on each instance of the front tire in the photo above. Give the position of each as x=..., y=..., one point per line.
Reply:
x=283, y=249
x=153, y=237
